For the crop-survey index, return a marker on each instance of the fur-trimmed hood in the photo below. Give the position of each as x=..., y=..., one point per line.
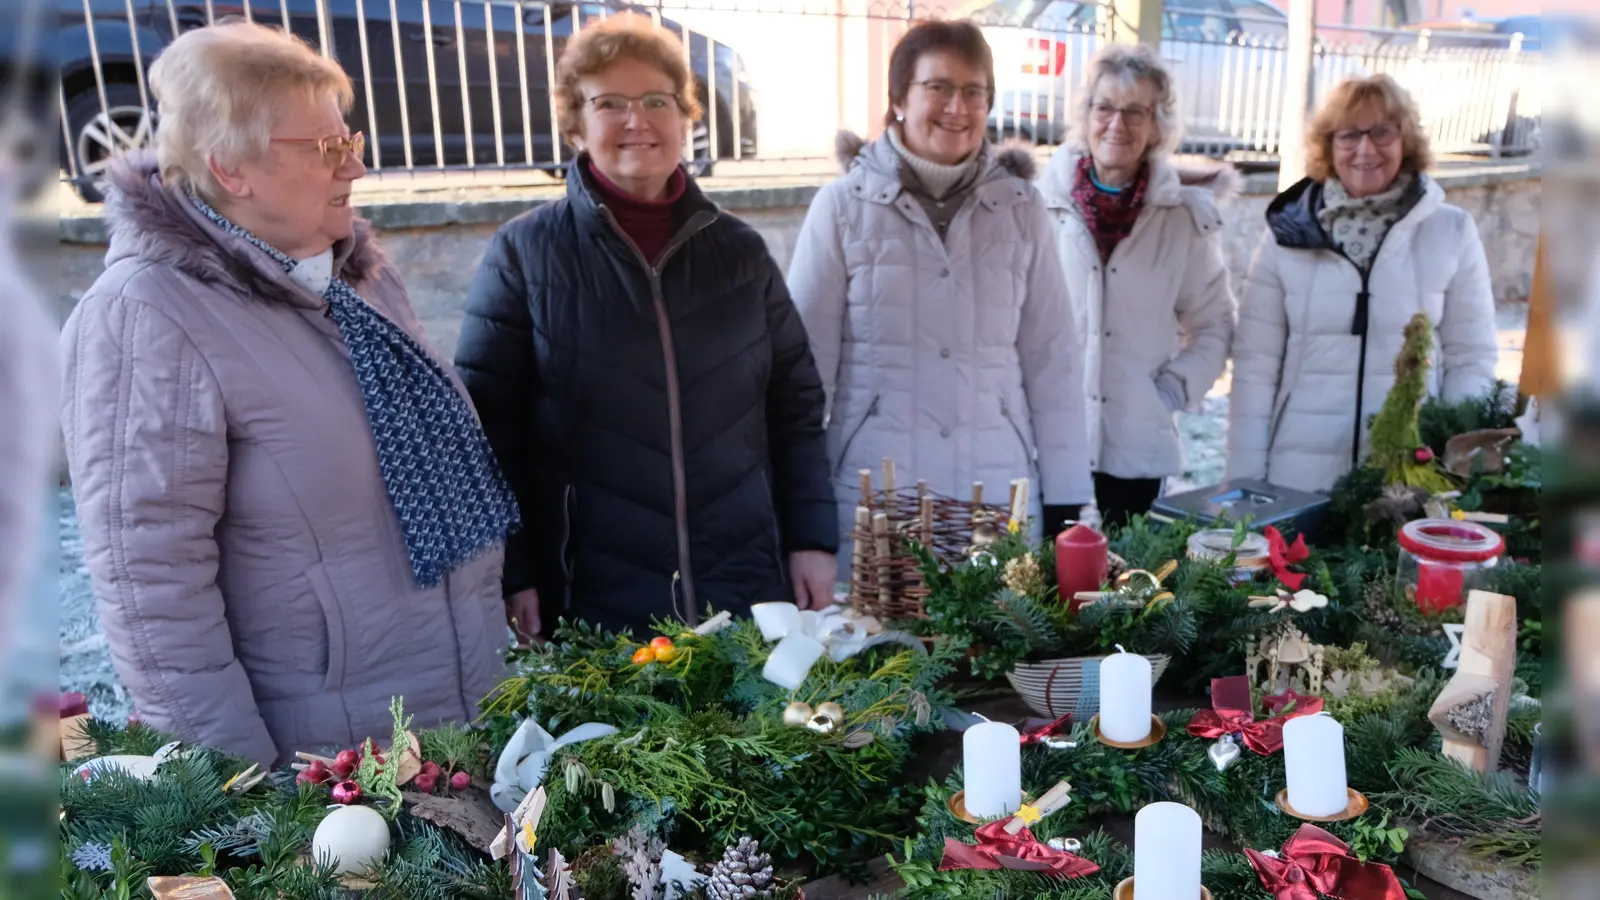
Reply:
x=851, y=150
x=151, y=222
x=1168, y=176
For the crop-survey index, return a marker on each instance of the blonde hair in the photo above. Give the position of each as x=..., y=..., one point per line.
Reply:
x=619, y=36
x=1341, y=105
x=222, y=89
x=1129, y=64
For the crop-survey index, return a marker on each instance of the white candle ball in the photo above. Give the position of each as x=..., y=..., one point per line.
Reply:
x=353, y=838
x=1313, y=761
x=1166, y=853
x=991, y=769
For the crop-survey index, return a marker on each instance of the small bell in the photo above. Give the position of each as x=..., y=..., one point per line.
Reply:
x=821, y=724
x=831, y=710
x=797, y=713
x=1224, y=753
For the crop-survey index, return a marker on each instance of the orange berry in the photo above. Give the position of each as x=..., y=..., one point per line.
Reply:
x=644, y=656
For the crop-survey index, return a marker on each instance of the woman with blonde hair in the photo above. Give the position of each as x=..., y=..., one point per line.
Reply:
x=642, y=373
x=289, y=511
x=1140, y=240
x=1351, y=254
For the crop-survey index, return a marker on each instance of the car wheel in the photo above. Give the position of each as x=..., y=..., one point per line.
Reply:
x=100, y=134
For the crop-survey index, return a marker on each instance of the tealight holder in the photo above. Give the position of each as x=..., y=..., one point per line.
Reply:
x=1356, y=805
x=1158, y=730
x=1124, y=890
x=957, y=805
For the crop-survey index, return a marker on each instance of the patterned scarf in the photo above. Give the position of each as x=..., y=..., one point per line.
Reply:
x=451, y=498
x=1110, y=216
x=1357, y=227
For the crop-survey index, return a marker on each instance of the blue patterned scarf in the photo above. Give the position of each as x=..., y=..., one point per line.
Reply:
x=447, y=489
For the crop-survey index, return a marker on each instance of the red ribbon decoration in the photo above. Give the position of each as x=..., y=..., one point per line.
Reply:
x=1231, y=713
x=1283, y=554
x=1315, y=863
x=1038, y=735
x=1020, y=852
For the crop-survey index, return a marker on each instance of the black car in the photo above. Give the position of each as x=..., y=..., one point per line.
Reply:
x=408, y=61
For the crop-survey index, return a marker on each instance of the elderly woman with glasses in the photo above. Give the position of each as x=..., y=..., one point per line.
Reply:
x=1141, y=240
x=1351, y=254
x=931, y=290
x=642, y=373
x=290, y=513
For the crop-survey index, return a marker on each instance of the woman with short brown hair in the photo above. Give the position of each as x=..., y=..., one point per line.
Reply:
x=1351, y=254
x=642, y=374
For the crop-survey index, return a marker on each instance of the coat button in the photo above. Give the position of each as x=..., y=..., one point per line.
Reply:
x=1108, y=334
x=944, y=432
x=944, y=273
x=944, y=353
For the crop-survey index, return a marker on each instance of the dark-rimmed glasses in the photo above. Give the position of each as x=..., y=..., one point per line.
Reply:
x=942, y=91
x=1133, y=116
x=1382, y=135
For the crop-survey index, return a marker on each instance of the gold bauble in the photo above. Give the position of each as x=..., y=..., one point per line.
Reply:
x=832, y=710
x=797, y=713
x=821, y=724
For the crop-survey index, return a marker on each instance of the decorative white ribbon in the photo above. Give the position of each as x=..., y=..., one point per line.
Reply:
x=526, y=758
x=799, y=632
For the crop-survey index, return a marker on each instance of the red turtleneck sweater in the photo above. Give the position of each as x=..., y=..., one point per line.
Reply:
x=648, y=222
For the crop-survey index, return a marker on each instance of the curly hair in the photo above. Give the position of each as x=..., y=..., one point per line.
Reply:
x=1128, y=64
x=620, y=36
x=1341, y=105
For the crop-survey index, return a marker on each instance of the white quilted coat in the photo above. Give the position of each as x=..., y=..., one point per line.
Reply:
x=1293, y=409
x=1160, y=305
x=958, y=358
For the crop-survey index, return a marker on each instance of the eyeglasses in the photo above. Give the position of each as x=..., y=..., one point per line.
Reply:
x=1132, y=116
x=942, y=91
x=1382, y=135
x=335, y=148
x=617, y=106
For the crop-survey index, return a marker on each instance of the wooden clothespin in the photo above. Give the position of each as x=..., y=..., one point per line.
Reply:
x=1054, y=799
x=1271, y=604
x=521, y=827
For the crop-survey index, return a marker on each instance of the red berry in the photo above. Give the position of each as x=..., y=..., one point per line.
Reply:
x=306, y=776
x=341, y=770
x=349, y=758
x=1424, y=454
x=316, y=773
x=431, y=768
x=425, y=782
x=460, y=781
x=346, y=792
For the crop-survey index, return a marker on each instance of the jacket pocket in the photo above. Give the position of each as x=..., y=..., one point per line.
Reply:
x=1277, y=420
x=849, y=441
x=333, y=617
x=1028, y=453
x=564, y=550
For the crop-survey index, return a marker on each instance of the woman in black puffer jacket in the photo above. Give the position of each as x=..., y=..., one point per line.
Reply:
x=642, y=374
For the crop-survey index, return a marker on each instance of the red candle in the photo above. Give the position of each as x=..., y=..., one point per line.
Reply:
x=1081, y=563
x=1439, y=586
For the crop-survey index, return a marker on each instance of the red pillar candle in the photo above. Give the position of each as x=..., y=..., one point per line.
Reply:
x=1081, y=563
x=1439, y=586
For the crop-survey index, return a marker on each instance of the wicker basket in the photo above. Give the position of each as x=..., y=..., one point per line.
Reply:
x=1054, y=687
x=885, y=581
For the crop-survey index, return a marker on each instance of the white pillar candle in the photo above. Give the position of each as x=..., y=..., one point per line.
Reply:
x=1125, y=682
x=1166, y=853
x=991, y=769
x=1313, y=760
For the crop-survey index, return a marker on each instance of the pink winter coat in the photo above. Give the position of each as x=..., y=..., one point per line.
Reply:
x=248, y=566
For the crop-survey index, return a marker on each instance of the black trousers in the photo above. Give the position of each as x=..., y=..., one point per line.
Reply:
x=1120, y=499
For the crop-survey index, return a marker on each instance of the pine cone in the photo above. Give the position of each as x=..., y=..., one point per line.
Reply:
x=1022, y=575
x=745, y=873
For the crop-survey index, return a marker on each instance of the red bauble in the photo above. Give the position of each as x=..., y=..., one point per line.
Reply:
x=1424, y=454
x=431, y=768
x=347, y=792
x=316, y=773
x=425, y=782
x=460, y=781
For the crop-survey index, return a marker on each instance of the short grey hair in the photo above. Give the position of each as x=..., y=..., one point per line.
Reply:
x=222, y=89
x=1130, y=64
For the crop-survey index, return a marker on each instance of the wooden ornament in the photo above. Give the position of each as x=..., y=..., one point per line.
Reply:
x=75, y=744
x=1290, y=658
x=1471, y=712
x=188, y=887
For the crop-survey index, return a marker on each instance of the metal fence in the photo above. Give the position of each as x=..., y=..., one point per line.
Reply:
x=447, y=85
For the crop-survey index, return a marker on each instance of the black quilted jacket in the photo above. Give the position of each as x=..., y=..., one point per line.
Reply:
x=662, y=426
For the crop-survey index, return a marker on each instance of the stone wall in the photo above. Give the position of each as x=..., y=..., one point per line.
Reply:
x=437, y=245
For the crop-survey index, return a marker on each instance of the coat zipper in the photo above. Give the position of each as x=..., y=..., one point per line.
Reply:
x=566, y=540
x=680, y=491
x=872, y=410
x=1005, y=411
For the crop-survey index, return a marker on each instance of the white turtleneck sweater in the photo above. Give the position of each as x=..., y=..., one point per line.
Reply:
x=935, y=178
x=314, y=273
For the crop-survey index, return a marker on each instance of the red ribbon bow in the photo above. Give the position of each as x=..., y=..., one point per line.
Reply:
x=1038, y=735
x=1283, y=554
x=1232, y=713
x=1020, y=852
x=1315, y=862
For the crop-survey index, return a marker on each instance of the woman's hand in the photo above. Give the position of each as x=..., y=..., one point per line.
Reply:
x=522, y=614
x=813, y=573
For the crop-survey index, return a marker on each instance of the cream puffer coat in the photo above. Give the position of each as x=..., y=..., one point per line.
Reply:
x=1159, y=310
x=1299, y=386
x=958, y=358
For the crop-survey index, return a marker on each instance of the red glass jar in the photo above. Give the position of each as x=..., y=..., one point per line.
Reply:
x=1442, y=559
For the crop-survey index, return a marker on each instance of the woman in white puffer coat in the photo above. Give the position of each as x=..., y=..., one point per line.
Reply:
x=933, y=299
x=1351, y=254
x=1141, y=242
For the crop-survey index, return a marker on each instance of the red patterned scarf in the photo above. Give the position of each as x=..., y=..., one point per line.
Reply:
x=1110, y=217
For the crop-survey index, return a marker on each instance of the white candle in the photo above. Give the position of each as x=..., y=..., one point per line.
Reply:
x=991, y=769
x=1313, y=759
x=1125, y=682
x=1166, y=853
